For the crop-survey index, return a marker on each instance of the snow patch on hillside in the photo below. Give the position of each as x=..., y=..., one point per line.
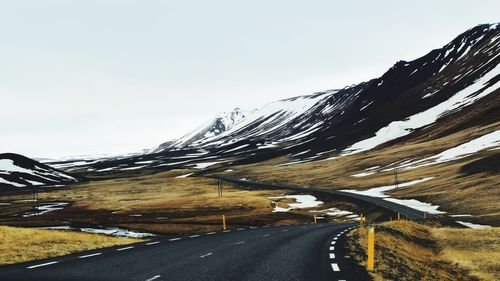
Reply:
x=397, y=129
x=302, y=202
x=415, y=204
x=473, y=225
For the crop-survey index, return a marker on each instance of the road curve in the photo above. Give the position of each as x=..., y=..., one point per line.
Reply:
x=391, y=206
x=286, y=252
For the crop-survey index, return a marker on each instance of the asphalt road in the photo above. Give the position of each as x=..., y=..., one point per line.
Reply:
x=405, y=211
x=286, y=252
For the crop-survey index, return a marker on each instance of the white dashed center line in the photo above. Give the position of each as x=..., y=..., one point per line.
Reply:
x=153, y=243
x=229, y=230
x=126, y=248
x=91, y=255
x=43, y=264
x=194, y=236
x=335, y=267
x=206, y=255
x=332, y=255
x=210, y=233
x=238, y=243
x=174, y=239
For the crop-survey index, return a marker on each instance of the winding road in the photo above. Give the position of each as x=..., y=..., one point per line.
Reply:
x=381, y=202
x=285, y=252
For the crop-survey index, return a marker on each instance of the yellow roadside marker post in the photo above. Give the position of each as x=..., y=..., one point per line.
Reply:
x=371, y=249
x=223, y=222
x=315, y=220
x=399, y=216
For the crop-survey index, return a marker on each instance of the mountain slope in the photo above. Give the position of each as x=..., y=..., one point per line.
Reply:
x=411, y=97
x=17, y=171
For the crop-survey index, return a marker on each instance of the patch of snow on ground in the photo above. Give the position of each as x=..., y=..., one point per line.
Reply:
x=119, y=232
x=145, y=162
x=412, y=203
x=458, y=152
x=397, y=129
x=417, y=205
x=204, y=165
x=46, y=208
x=473, y=225
x=302, y=202
x=363, y=174
x=380, y=191
x=184, y=176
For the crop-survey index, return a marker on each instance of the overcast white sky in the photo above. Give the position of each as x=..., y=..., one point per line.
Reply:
x=115, y=76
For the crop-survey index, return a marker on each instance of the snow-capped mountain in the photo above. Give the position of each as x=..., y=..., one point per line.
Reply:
x=446, y=84
x=17, y=171
x=220, y=124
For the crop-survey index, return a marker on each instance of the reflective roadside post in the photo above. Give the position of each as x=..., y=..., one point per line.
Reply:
x=371, y=249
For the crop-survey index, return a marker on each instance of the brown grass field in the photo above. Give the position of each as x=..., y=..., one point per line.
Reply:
x=408, y=250
x=24, y=244
x=163, y=204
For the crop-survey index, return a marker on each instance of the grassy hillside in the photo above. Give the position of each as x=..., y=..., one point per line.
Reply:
x=464, y=186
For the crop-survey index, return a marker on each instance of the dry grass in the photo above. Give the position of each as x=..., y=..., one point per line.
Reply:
x=474, y=249
x=159, y=203
x=163, y=204
x=407, y=250
x=23, y=244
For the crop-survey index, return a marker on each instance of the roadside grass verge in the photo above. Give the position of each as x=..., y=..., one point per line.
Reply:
x=25, y=244
x=406, y=250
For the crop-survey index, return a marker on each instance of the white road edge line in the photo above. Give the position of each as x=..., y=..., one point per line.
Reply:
x=335, y=267
x=154, y=277
x=205, y=255
x=43, y=264
x=126, y=248
x=91, y=255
